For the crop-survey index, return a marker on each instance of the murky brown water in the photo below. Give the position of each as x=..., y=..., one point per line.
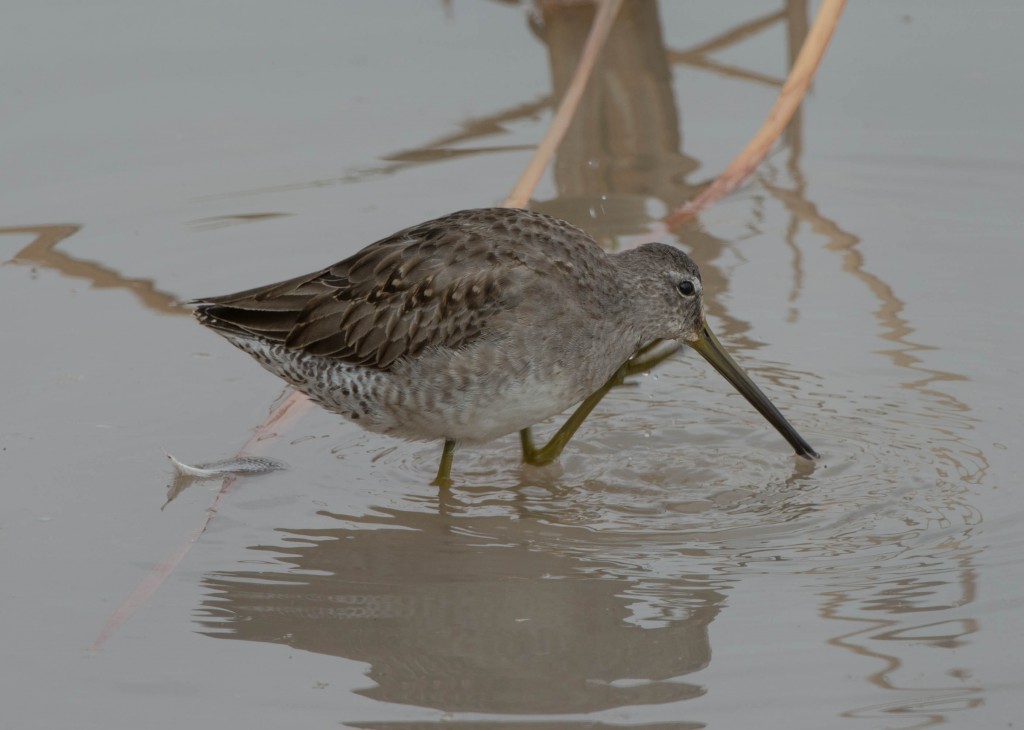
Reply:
x=678, y=568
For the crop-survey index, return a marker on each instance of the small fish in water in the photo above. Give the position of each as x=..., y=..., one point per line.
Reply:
x=186, y=474
x=236, y=465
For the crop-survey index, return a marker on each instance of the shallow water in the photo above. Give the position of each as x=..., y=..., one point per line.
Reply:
x=678, y=568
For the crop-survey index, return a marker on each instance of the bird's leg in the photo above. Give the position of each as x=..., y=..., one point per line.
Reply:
x=640, y=362
x=553, y=448
x=444, y=469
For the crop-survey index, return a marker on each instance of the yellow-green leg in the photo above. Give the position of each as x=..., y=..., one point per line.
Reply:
x=641, y=362
x=444, y=469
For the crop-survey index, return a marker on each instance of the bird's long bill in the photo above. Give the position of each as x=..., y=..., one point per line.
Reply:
x=712, y=351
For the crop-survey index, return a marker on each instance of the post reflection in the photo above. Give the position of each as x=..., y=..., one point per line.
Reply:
x=899, y=613
x=623, y=147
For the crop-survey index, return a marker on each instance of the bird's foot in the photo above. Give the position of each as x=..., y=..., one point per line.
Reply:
x=539, y=457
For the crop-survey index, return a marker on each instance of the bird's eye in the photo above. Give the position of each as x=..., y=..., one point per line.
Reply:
x=686, y=288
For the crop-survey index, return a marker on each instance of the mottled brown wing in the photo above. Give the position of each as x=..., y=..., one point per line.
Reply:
x=436, y=284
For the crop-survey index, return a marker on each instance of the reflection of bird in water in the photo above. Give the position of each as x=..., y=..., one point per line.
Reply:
x=475, y=325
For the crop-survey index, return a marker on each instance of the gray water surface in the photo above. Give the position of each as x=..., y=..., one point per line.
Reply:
x=678, y=568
